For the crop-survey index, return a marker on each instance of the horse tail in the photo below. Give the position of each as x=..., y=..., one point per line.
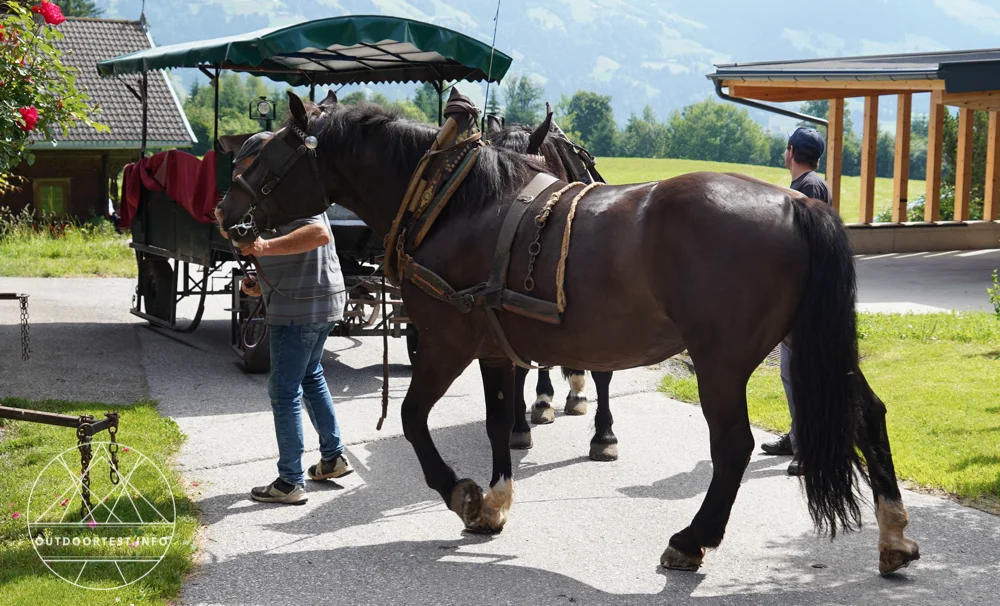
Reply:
x=825, y=388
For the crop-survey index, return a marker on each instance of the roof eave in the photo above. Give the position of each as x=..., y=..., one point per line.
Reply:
x=825, y=76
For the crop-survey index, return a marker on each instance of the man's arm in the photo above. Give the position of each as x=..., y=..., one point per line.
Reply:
x=303, y=239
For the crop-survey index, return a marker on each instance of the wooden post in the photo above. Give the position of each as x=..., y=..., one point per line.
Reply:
x=963, y=164
x=835, y=150
x=935, y=128
x=901, y=162
x=869, y=145
x=991, y=202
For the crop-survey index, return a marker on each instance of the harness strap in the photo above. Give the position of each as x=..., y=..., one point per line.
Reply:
x=505, y=344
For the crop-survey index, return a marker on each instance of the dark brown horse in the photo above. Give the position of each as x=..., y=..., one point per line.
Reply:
x=724, y=265
x=569, y=163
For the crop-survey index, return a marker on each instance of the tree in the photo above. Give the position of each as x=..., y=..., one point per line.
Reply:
x=39, y=92
x=643, y=137
x=949, y=149
x=235, y=97
x=591, y=118
x=426, y=100
x=79, y=8
x=406, y=109
x=523, y=100
x=709, y=130
x=493, y=104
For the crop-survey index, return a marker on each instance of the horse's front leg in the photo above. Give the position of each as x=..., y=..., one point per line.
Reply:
x=434, y=370
x=498, y=387
x=604, y=445
x=520, y=438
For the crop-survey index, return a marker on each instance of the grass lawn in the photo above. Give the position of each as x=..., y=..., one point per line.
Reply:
x=939, y=376
x=76, y=251
x=25, y=451
x=639, y=170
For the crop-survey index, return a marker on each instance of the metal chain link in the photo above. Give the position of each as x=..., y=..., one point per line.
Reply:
x=113, y=449
x=25, y=337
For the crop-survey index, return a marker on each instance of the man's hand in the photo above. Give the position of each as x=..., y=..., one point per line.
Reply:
x=251, y=288
x=258, y=248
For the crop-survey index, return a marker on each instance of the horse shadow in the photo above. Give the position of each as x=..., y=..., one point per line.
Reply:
x=689, y=484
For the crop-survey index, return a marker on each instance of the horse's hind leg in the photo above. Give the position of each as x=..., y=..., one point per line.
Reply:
x=498, y=385
x=895, y=549
x=520, y=438
x=576, y=401
x=604, y=445
x=542, y=412
x=723, y=402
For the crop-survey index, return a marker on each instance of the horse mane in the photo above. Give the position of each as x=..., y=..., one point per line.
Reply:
x=359, y=129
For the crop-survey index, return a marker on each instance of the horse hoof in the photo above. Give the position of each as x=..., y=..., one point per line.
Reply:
x=576, y=406
x=542, y=415
x=603, y=452
x=521, y=440
x=891, y=560
x=466, y=499
x=675, y=560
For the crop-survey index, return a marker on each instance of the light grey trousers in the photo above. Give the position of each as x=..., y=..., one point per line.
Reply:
x=786, y=380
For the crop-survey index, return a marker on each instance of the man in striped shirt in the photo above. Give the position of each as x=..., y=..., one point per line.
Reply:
x=304, y=296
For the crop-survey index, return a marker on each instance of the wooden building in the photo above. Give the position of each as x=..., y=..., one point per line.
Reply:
x=968, y=80
x=75, y=175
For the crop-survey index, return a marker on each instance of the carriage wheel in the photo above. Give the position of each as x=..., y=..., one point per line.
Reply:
x=158, y=288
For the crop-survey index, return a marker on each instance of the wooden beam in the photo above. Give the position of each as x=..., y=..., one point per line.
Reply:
x=869, y=145
x=901, y=161
x=835, y=150
x=935, y=128
x=887, y=87
x=963, y=164
x=985, y=100
x=991, y=202
x=783, y=95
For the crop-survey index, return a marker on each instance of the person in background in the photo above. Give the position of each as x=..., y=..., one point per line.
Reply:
x=307, y=298
x=805, y=147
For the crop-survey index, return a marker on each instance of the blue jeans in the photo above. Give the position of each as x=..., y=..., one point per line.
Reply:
x=297, y=379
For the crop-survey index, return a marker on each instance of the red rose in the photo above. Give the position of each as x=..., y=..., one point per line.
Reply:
x=50, y=12
x=30, y=117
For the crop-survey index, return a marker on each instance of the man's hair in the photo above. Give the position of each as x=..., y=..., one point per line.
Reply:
x=801, y=157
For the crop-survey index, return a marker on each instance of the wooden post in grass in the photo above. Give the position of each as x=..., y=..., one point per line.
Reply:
x=901, y=162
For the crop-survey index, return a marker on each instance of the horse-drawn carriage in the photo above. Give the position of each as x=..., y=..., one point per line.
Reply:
x=180, y=253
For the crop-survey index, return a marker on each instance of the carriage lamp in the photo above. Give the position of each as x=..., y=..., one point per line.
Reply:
x=262, y=109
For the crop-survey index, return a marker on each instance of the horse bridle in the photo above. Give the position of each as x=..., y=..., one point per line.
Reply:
x=285, y=158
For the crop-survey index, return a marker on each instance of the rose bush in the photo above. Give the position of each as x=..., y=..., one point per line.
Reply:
x=38, y=93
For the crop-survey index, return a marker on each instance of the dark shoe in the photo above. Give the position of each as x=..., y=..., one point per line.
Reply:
x=795, y=467
x=280, y=491
x=336, y=468
x=782, y=446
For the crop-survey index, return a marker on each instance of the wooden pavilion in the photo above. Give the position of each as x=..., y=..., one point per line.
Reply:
x=969, y=80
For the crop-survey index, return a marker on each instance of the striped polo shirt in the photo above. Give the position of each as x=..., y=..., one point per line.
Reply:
x=310, y=274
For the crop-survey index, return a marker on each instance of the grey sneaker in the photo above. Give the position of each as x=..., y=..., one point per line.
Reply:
x=336, y=468
x=280, y=491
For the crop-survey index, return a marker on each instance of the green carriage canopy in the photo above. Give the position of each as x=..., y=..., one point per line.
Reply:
x=337, y=50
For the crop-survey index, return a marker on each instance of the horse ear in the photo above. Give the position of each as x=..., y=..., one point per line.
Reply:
x=331, y=99
x=493, y=124
x=538, y=137
x=297, y=109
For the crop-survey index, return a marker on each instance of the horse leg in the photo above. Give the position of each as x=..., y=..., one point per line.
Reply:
x=895, y=549
x=498, y=385
x=432, y=376
x=520, y=438
x=723, y=402
x=576, y=401
x=542, y=412
x=604, y=445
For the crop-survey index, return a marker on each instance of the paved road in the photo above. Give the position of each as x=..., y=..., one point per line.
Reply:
x=580, y=532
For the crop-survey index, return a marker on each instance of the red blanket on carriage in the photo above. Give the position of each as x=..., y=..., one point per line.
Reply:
x=188, y=181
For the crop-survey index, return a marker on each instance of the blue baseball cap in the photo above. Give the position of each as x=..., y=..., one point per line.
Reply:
x=808, y=141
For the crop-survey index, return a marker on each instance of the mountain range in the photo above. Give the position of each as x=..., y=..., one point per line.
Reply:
x=639, y=51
